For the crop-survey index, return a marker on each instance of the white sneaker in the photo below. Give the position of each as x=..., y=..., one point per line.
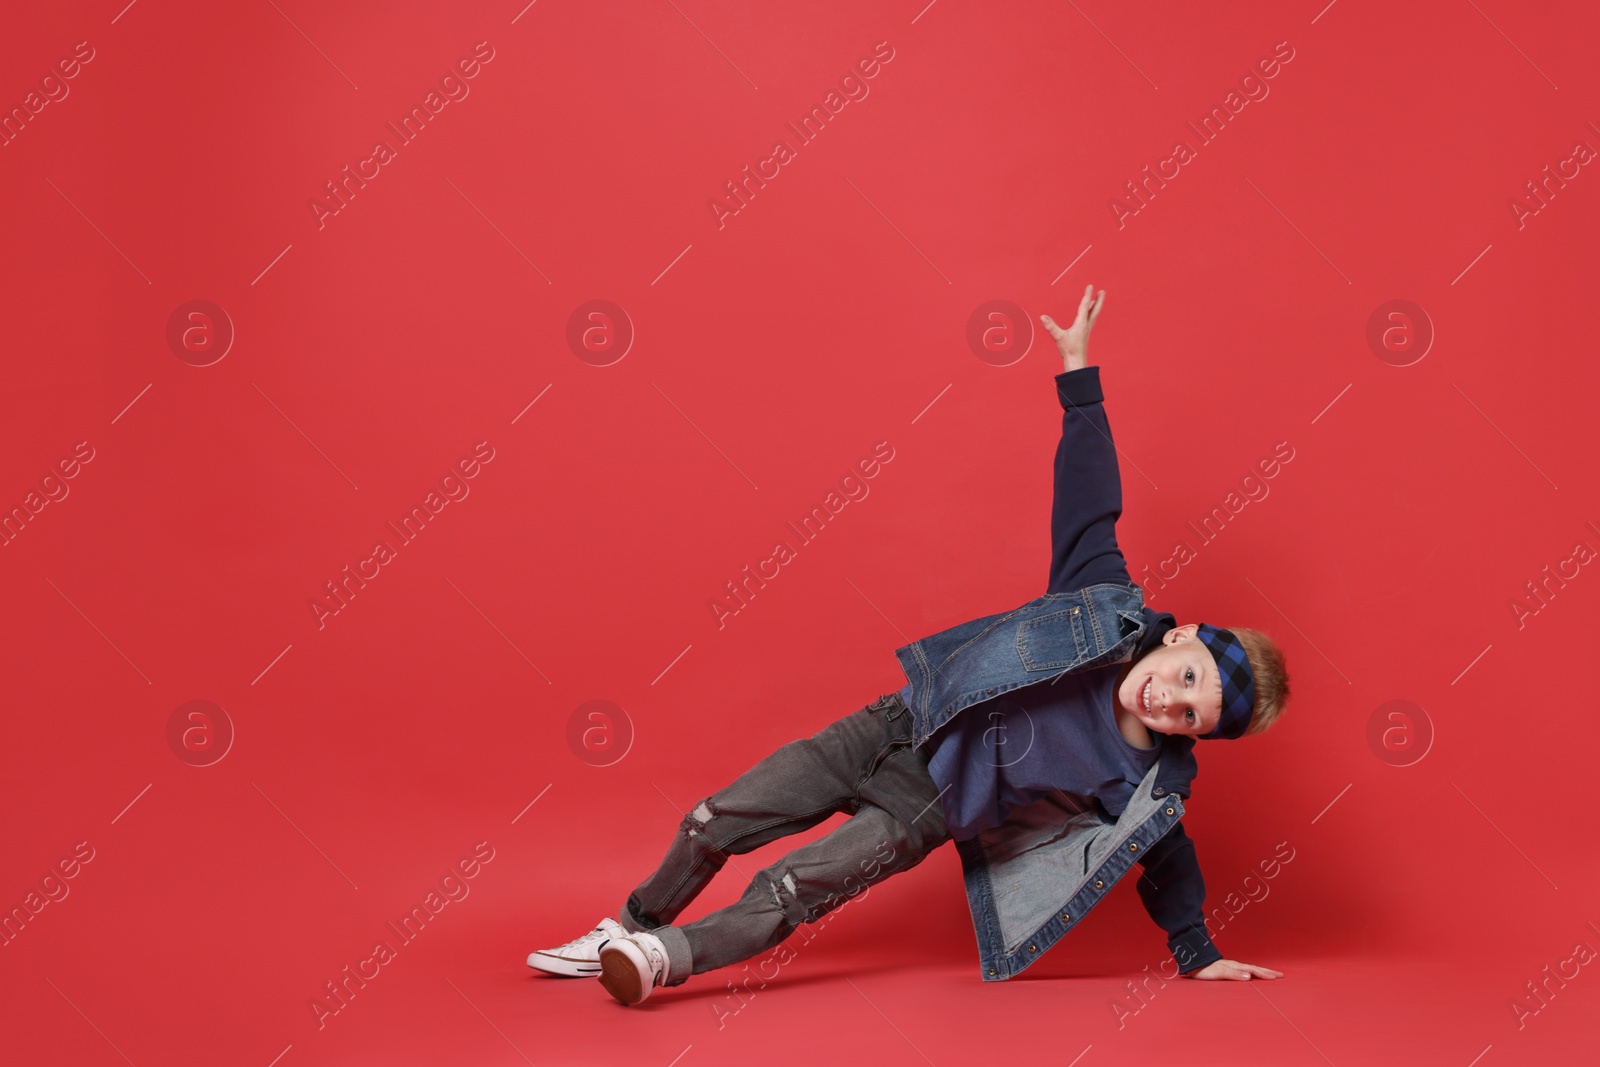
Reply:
x=579, y=958
x=632, y=965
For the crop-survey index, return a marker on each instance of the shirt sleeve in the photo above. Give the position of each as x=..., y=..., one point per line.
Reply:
x=1174, y=894
x=1088, y=489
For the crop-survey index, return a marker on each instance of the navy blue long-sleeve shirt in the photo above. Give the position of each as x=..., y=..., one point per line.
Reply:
x=986, y=778
x=1031, y=742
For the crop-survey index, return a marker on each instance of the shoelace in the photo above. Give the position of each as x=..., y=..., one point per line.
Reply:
x=597, y=932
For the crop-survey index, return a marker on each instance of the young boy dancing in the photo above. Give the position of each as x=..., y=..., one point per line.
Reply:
x=1091, y=706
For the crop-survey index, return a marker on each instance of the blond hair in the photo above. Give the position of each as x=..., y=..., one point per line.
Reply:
x=1271, y=679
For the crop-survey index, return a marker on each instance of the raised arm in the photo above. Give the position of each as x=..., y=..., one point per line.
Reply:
x=1088, y=485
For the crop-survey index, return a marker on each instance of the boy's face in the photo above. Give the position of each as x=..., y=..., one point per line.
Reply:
x=1174, y=688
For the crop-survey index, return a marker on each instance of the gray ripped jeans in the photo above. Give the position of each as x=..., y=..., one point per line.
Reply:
x=862, y=764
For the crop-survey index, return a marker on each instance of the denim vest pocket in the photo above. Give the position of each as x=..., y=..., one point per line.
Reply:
x=1051, y=642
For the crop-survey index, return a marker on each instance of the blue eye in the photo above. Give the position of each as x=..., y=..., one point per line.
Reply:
x=1188, y=675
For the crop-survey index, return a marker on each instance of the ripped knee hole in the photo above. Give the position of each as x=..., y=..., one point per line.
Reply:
x=787, y=882
x=698, y=818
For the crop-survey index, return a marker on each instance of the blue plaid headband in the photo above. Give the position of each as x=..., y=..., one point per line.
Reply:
x=1238, y=684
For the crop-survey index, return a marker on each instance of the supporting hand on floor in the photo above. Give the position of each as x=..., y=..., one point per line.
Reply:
x=1232, y=969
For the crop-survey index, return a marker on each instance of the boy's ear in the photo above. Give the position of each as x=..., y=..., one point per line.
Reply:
x=1186, y=632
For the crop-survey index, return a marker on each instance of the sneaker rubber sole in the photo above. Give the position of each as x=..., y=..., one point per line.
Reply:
x=562, y=967
x=622, y=966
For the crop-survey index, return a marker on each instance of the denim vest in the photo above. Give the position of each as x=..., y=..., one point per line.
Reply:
x=981, y=659
x=1036, y=876
x=1033, y=878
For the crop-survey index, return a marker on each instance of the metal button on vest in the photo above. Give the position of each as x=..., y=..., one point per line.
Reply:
x=1169, y=811
x=1065, y=916
x=1074, y=611
x=991, y=970
x=1133, y=846
x=1098, y=884
x=1033, y=948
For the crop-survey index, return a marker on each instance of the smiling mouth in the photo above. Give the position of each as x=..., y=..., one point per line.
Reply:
x=1144, y=694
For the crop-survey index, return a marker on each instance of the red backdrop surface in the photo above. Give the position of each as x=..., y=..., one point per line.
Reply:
x=374, y=318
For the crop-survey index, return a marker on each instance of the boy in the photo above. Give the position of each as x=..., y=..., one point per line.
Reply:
x=1076, y=765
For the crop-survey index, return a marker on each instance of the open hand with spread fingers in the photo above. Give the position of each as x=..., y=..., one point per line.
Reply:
x=1073, y=342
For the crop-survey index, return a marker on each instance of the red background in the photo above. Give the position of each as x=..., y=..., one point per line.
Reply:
x=373, y=353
